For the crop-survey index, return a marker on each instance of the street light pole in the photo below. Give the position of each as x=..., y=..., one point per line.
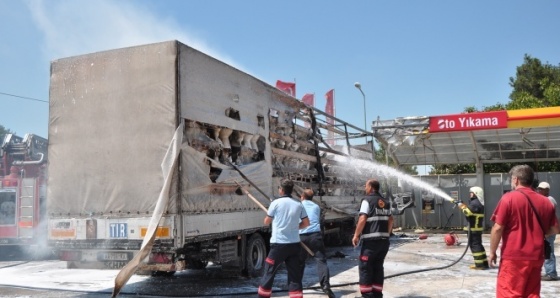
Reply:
x=359, y=86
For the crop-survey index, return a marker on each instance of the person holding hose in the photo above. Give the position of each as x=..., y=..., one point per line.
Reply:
x=475, y=217
x=287, y=217
x=313, y=238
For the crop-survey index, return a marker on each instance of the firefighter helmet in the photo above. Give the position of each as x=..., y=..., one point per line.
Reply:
x=478, y=192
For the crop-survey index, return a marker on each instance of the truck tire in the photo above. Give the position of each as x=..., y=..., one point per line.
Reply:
x=255, y=255
x=162, y=273
x=197, y=264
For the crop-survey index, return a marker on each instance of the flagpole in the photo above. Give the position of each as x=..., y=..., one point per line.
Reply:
x=359, y=86
x=334, y=111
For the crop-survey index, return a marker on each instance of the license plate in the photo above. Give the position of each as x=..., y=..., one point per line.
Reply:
x=114, y=264
x=114, y=256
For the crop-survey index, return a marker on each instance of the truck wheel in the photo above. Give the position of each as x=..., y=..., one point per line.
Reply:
x=255, y=255
x=163, y=273
x=197, y=264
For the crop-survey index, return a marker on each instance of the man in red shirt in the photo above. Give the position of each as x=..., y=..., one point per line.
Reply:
x=519, y=229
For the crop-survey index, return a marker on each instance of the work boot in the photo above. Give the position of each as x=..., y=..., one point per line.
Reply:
x=474, y=267
x=327, y=290
x=549, y=278
x=370, y=296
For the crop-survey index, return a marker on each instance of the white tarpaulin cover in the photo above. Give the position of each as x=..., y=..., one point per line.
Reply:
x=112, y=114
x=167, y=166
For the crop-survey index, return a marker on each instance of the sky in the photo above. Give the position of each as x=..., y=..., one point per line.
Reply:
x=412, y=58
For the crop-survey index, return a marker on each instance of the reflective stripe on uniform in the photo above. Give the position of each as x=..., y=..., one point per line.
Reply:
x=264, y=292
x=364, y=289
x=295, y=294
x=377, y=234
x=383, y=217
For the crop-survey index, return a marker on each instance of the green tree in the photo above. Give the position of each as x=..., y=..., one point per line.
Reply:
x=535, y=85
x=453, y=169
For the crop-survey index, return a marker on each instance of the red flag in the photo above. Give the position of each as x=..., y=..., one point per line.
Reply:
x=288, y=87
x=329, y=109
x=309, y=99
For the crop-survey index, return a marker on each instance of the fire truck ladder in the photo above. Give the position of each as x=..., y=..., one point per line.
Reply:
x=27, y=208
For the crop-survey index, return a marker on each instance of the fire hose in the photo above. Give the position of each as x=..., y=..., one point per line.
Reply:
x=311, y=253
x=253, y=292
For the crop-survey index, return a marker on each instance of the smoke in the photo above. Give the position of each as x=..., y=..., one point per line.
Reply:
x=78, y=27
x=39, y=249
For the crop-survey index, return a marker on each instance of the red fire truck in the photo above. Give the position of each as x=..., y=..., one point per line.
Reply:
x=22, y=191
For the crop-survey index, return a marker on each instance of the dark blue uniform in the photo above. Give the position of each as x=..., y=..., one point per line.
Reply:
x=375, y=244
x=475, y=216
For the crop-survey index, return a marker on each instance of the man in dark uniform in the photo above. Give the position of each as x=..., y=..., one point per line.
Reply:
x=313, y=238
x=475, y=216
x=374, y=227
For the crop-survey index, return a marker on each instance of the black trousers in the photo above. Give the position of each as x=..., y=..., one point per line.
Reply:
x=315, y=243
x=477, y=250
x=282, y=253
x=372, y=257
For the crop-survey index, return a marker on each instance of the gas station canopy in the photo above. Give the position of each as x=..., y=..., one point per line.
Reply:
x=473, y=138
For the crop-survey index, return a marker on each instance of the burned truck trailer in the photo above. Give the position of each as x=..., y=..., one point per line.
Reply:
x=112, y=116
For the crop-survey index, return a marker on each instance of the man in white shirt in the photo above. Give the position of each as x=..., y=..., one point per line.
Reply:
x=549, y=264
x=287, y=216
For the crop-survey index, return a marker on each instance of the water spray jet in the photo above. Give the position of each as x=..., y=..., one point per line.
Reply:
x=363, y=167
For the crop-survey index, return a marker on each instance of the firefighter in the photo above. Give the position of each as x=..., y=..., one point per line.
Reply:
x=475, y=217
x=373, y=229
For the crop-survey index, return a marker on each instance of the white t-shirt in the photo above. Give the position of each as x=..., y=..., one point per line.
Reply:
x=287, y=214
x=553, y=201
